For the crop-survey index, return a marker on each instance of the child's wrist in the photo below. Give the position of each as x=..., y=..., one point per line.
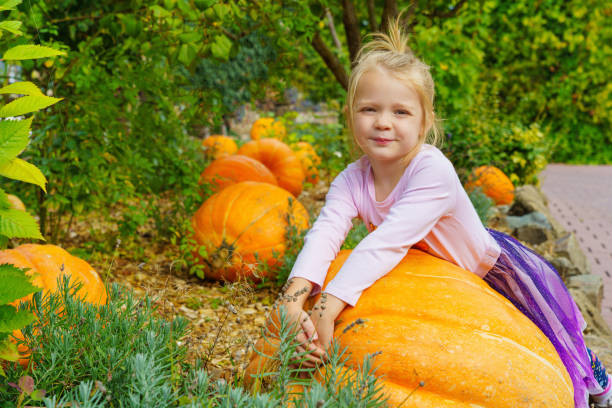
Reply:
x=295, y=292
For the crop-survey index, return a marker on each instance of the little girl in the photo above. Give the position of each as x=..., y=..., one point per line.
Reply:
x=408, y=193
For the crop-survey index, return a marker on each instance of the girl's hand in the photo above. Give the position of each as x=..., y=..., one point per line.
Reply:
x=324, y=313
x=306, y=338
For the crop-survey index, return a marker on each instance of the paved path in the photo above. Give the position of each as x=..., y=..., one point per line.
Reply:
x=580, y=198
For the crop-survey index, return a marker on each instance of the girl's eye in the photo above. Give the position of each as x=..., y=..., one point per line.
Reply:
x=367, y=109
x=402, y=112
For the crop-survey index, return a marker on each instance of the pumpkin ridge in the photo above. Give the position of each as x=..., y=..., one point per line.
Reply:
x=253, y=221
x=227, y=213
x=441, y=322
x=527, y=351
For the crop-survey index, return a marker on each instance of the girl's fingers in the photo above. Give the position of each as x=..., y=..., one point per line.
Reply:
x=308, y=326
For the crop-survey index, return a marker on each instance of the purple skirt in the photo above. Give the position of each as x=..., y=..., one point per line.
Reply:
x=536, y=289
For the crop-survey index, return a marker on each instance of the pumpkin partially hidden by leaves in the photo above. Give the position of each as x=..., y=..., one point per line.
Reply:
x=280, y=159
x=216, y=146
x=228, y=170
x=493, y=182
x=15, y=202
x=268, y=127
x=446, y=339
x=309, y=159
x=241, y=230
x=47, y=263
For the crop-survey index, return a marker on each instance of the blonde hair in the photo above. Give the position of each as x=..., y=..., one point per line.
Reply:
x=391, y=52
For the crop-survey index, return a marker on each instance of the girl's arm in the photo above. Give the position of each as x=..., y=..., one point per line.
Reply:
x=429, y=194
x=322, y=243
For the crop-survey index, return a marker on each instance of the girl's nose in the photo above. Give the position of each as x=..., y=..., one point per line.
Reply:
x=382, y=121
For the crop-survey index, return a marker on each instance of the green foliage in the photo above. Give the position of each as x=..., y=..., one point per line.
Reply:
x=15, y=285
x=120, y=354
x=355, y=235
x=117, y=344
x=483, y=135
x=482, y=203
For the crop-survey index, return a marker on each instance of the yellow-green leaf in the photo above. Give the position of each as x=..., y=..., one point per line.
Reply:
x=15, y=284
x=27, y=104
x=14, y=137
x=21, y=170
x=18, y=224
x=11, y=26
x=12, y=319
x=8, y=350
x=31, y=51
x=9, y=4
x=21, y=88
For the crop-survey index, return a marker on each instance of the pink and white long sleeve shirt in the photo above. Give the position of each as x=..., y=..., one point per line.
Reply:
x=428, y=206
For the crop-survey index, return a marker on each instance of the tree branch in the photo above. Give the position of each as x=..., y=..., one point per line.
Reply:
x=351, y=28
x=389, y=13
x=332, y=29
x=372, y=16
x=332, y=62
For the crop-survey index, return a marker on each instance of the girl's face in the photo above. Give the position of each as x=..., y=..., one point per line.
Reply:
x=387, y=116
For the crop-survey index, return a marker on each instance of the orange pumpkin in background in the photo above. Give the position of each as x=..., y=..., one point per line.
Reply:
x=280, y=159
x=309, y=159
x=242, y=226
x=228, y=170
x=216, y=146
x=446, y=339
x=268, y=127
x=15, y=202
x=494, y=184
x=46, y=263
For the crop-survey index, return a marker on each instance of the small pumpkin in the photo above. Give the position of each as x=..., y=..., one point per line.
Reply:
x=216, y=146
x=446, y=339
x=46, y=263
x=268, y=127
x=233, y=169
x=280, y=159
x=15, y=202
x=242, y=227
x=494, y=184
x=309, y=159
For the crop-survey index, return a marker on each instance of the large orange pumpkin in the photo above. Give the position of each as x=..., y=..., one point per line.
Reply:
x=494, y=183
x=46, y=263
x=280, y=159
x=268, y=127
x=218, y=146
x=309, y=159
x=447, y=340
x=241, y=227
x=233, y=169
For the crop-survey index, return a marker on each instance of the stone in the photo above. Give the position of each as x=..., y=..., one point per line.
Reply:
x=567, y=246
x=565, y=268
x=596, y=325
x=533, y=228
x=591, y=285
x=529, y=199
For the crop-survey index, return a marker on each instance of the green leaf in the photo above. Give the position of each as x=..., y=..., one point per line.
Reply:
x=21, y=170
x=221, y=47
x=159, y=11
x=21, y=88
x=5, y=204
x=186, y=54
x=11, y=26
x=14, y=138
x=8, y=350
x=13, y=319
x=9, y=4
x=27, y=104
x=18, y=224
x=15, y=284
x=31, y=51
